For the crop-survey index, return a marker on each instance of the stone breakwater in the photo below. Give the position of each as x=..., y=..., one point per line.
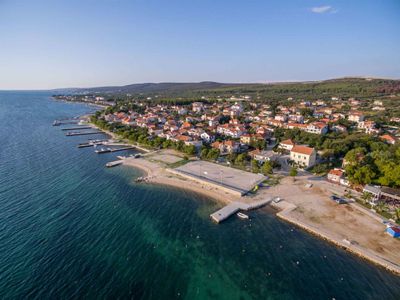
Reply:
x=284, y=214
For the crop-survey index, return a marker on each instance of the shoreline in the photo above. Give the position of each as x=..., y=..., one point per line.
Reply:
x=284, y=209
x=362, y=253
x=160, y=175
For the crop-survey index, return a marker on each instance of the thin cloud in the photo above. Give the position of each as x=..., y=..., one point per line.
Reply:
x=323, y=9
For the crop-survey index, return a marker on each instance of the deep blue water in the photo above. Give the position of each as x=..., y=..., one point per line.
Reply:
x=70, y=228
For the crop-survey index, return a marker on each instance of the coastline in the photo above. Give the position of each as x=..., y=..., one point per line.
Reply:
x=288, y=211
x=158, y=175
x=284, y=214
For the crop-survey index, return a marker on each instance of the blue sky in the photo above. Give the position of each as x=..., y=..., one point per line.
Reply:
x=71, y=43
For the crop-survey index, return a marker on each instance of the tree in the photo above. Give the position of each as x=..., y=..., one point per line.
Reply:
x=204, y=153
x=241, y=159
x=266, y=168
x=189, y=149
x=293, y=171
x=254, y=166
x=366, y=197
x=213, y=154
x=363, y=175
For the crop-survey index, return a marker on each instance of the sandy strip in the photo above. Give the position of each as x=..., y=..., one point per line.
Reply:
x=158, y=175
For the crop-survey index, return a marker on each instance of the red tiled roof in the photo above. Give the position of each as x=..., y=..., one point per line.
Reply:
x=336, y=172
x=303, y=150
x=288, y=142
x=387, y=137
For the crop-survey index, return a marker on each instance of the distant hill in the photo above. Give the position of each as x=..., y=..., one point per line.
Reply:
x=152, y=87
x=341, y=87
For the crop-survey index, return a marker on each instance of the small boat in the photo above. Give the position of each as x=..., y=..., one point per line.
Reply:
x=113, y=163
x=242, y=215
x=277, y=200
x=56, y=123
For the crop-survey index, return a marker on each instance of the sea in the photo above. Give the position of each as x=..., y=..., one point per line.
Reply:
x=72, y=229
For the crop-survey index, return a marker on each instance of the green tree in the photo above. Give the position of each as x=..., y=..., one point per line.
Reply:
x=213, y=154
x=293, y=172
x=254, y=166
x=241, y=159
x=266, y=168
x=204, y=153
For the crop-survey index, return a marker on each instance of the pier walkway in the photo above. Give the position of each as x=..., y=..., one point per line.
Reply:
x=76, y=128
x=232, y=208
x=82, y=133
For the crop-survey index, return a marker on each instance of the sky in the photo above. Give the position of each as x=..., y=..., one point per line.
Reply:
x=48, y=44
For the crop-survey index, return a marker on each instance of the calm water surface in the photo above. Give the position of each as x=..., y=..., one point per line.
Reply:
x=70, y=228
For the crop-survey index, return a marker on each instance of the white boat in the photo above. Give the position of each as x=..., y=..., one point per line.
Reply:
x=277, y=200
x=242, y=215
x=113, y=163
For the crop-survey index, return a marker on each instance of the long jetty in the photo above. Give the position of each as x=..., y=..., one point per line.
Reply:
x=77, y=128
x=233, y=207
x=82, y=133
x=108, y=150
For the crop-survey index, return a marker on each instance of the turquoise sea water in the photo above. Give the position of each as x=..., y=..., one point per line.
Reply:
x=70, y=228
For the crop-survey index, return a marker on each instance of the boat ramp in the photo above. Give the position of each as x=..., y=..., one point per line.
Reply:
x=233, y=207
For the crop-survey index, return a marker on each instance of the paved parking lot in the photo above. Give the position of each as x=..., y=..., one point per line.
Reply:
x=237, y=180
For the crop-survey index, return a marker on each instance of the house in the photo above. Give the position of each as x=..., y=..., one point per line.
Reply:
x=262, y=156
x=282, y=118
x=335, y=175
x=375, y=192
x=367, y=126
x=317, y=127
x=303, y=156
x=356, y=116
x=287, y=145
x=339, y=128
x=246, y=139
x=226, y=147
x=388, y=139
x=197, y=107
x=393, y=231
x=207, y=137
x=390, y=196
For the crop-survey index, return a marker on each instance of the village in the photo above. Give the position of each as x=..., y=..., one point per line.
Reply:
x=245, y=134
x=249, y=135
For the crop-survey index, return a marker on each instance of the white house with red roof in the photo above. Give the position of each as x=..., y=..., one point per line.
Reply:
x=335, y=175
x=287, y=145
x=317, y=128
x=303, y=156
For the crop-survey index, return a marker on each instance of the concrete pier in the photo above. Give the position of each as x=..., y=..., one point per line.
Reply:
x=77, y=128
x=82, y=133
x=232, y=208
x=107, y=150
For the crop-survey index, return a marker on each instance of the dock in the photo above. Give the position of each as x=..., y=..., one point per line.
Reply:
x=232, y=208
x=83, y=133
x=91, y=143
x=77, y=128
x=108, y=150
